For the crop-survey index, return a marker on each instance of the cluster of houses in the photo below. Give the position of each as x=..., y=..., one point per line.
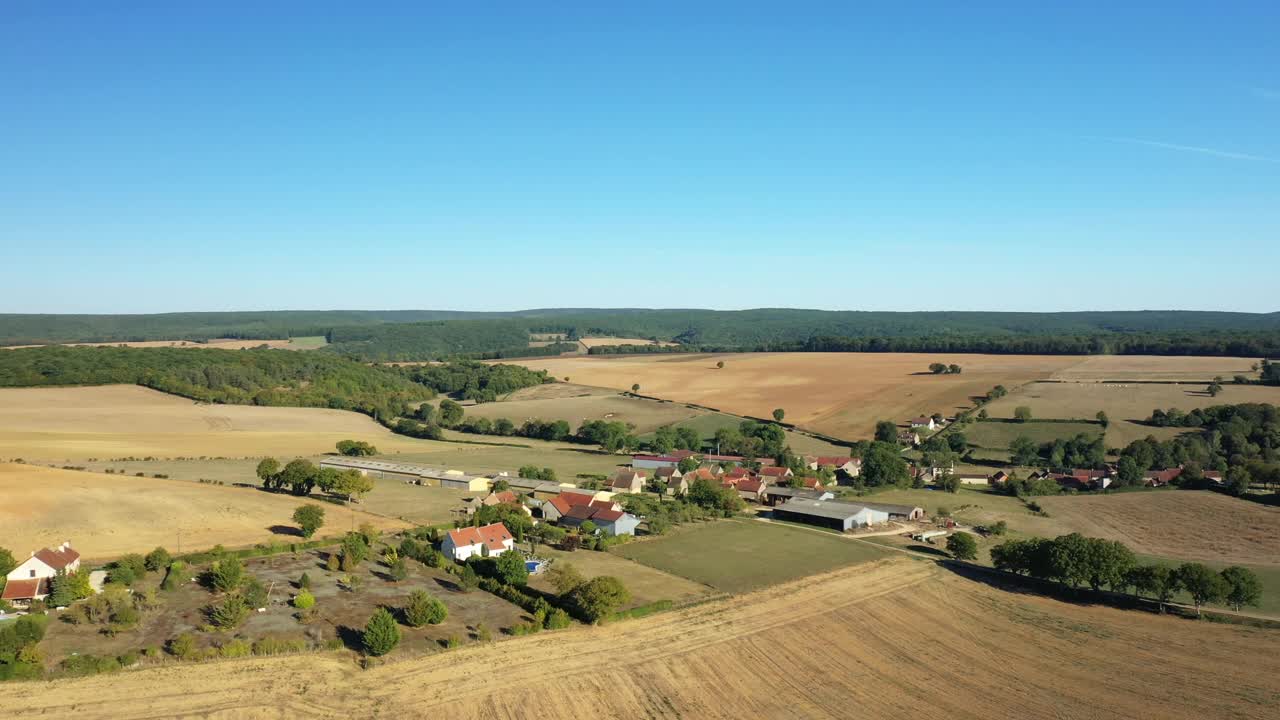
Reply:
x=1079, y=478
x=728, y=471
x=30, y=579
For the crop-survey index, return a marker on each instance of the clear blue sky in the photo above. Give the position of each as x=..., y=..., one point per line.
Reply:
x=846, y=155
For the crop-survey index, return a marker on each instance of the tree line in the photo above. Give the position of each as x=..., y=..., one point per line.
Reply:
x=1078, y=561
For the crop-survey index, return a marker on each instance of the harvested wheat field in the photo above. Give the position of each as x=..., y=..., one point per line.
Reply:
x=1153, y=367
x=899, y=638
x=608, y=341
x=839, y=394
x=114, y=421
x=1191, y=525
x=106, y=516
x=1122, y=401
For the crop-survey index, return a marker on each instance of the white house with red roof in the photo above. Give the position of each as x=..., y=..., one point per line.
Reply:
x=628, y=481
x=467, y=542
x=847, y=464
x=30, y=579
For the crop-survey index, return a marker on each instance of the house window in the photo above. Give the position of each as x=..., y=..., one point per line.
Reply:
x=33, y=573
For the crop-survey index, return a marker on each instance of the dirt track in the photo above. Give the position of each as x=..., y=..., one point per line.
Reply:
x=900, y=638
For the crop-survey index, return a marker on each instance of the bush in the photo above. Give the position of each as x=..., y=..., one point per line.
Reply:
x=557, y=619
x=229, y=613
x=304, y=600
x=183, y=646
x=962, y=546
x=423, y=609
x=398, y=571
x=235, y=648
x=177, y=569
x=304, y=582
x=157, y=559
x=381, y=635
x=599, y=597
x=253, y=592
x=226, y=574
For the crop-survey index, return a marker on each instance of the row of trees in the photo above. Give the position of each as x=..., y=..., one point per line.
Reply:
x=944, y=369
x=471, y=380
x=302, y=476
x=1077, y=561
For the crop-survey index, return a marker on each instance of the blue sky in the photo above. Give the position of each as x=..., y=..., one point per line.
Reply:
x=898, y=156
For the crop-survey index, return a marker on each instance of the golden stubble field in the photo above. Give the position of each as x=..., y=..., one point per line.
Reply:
x=1200, y=526
x=899, y=638
x=113, y=421
x=105, y=516
x=839, y=394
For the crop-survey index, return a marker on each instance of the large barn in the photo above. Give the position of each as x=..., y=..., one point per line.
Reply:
x=825, y=513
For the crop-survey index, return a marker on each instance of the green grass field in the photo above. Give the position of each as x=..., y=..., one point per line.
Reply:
x=1269, y=575
x=741, y=555
x=646, y=584
x=307, y=343
x=999, y=435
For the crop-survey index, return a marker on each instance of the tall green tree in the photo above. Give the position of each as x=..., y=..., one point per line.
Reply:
x=883, y=465
x=1024, y=451
x=267, y=470
x=1157, y=581
x=962, y=546
x=1242, y=587
x=599, y=597
x=887, y=432
x=1202, y=584
x=310, y=518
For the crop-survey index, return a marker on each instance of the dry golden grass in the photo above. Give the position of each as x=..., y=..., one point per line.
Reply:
x=1122, y=401
x=607, y=341
x=1150, y=367
x=840, y=394
x=106, y=516
x=1184, y=524
x=112, y=421
x=899, y=638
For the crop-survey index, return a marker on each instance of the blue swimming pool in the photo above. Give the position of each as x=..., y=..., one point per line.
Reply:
x=533, y=566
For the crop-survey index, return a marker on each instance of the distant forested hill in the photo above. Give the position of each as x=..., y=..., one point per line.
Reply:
x=430, y=334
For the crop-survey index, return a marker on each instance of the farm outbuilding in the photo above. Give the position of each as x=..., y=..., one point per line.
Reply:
x=824, y=513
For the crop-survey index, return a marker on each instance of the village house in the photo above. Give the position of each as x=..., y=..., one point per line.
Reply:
x=898, y=512
x=30, y=579
x=967, y=478
x=999, y=477
x=752, y=489
x=672, y=480
x=776, y=474
x=910, y=438
x=628, y=481
x=923, y=423
x=850, y=466
x=493, y=539
x=615, y=522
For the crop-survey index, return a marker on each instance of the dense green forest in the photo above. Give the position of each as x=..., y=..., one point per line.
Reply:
x=473, y=380
x=425, y=335
x=235, y=377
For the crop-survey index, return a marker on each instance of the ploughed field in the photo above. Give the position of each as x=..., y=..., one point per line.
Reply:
x=893, y=638
x=105, y=516
x=116, y=421
x=839, y=394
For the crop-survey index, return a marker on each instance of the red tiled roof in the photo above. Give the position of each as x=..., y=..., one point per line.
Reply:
x=25, y=589
x=603, y=504
x=812, y=483
x=491, y=535
x=833, y=460
x=506, y=496
x=774, y=471
x=752, y=486
x=607, y=515
x=656, y=458
x=561, y=503
x=58, y=559
x=581, y=512
x=576, y=498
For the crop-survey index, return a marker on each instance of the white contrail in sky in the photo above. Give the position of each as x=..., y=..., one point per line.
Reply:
x=1194, y=148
